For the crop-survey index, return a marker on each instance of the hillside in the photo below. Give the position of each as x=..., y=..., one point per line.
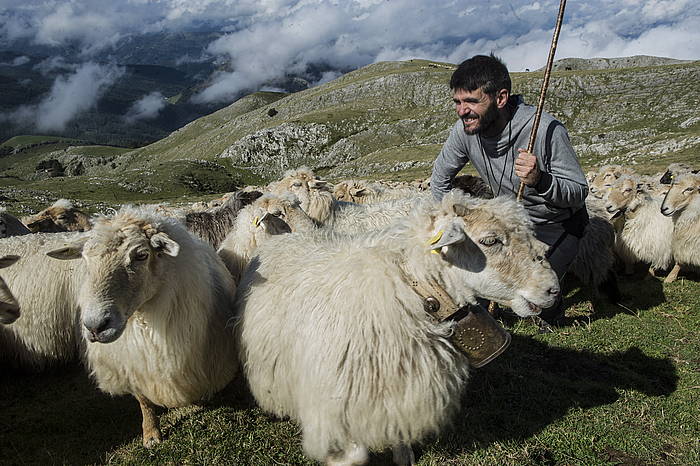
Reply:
x=386, y=120
x=391, y=118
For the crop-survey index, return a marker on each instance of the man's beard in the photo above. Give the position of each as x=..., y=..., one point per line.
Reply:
x=486, y=120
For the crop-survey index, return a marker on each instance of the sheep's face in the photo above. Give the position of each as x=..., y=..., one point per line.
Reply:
x=498, y=258
x=622, y=197
x=124, y=268
x=9, y=308
x=275, y=216
x=681, y=194
x=351, y=191
x=601, y=183
x=298, y=186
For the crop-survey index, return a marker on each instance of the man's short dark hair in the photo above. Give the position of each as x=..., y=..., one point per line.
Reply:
x=485, y=72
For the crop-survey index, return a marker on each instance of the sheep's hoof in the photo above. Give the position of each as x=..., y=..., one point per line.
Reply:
x=152, y=439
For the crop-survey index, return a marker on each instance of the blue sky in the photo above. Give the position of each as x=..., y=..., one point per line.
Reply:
x=267, y=38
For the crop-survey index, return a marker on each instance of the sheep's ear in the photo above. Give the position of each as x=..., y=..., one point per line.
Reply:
x=8, y=260
x=69, y=251
x=453, y=233
x=357, y=191
x=275, y=225
x=161, y=242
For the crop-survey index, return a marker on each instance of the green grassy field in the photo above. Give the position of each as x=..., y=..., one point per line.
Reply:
x=617, y=385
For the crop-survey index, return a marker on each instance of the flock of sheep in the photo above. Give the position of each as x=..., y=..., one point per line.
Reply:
x=313, y=291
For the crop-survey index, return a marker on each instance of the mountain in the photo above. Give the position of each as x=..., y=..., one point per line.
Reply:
x=387, y=120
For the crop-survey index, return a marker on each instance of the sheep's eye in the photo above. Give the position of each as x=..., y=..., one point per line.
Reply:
x=141, y=255
x=297, y=184
x=627, y=190
x=688, y=190
x=489, y=241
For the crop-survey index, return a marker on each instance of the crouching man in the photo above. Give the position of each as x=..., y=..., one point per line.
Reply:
x=492, y=133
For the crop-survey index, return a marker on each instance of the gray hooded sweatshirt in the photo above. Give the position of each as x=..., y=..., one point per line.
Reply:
x=562, y=188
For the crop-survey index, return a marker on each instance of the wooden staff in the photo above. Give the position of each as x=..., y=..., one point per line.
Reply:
x=543, y=91
x=540, y=104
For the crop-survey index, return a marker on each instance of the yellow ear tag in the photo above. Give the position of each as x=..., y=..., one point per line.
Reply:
x=256, y=221
x=436, y=238
x=435, y=251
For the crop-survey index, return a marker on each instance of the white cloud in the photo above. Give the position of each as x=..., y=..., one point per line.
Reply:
x=149, y=106
x=70, y=95
x=268, y=39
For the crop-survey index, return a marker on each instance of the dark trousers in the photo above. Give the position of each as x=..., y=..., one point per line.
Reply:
x=563, y=241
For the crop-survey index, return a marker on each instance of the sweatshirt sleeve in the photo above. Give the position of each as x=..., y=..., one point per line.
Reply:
x=562, y=183
x=448, y=163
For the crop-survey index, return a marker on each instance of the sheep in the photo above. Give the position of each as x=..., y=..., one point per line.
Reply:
x=154, y=302
x=296, y=182
x=643, y=234
x=606, y=175
x=334, y=336
x=212, y=227
x=9, y=308
x=363, y=192
x=11, y=225
x=46, y=336
x=682, y=205
x=61, y=216
x=269, y=215
x=594, y=262
x=673, y=170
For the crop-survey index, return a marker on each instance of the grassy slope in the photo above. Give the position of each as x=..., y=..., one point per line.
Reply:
x=618, y=386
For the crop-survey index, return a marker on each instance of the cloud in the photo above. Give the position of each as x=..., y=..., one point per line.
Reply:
x=17, y=61
x=266, y=40
x=146, y=108
x=70, y=95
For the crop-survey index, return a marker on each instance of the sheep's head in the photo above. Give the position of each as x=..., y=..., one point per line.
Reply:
x=127, y=261
x=278, y=214
x=295, y=183
x=605, y=178
x=61, y=216
x=683, y=191
x=9, y=309
x=624, y=196
x=491, y=247
x=352, y=191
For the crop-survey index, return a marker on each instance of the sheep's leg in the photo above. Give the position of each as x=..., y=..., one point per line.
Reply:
x=403, y=455
x=673, y=274
x=353, y=455
x=150, y=424
x=652, y=272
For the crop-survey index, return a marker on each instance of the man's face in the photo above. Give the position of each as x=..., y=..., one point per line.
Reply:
x=477, y=110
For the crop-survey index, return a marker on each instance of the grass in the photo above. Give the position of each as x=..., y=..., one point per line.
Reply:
x=616, y=385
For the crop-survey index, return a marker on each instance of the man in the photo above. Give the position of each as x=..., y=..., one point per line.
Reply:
x=492, y=133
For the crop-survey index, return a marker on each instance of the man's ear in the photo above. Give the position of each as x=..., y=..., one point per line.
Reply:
x=502, y=97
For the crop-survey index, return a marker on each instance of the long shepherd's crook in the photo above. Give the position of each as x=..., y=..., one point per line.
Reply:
x=543, y=91
x=540, y=104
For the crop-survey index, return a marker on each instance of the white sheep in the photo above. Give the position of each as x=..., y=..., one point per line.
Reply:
x=364, y=192
x=269, y=215
x=9, y=308
x=334, y=336
x=643, y=234
x=605, y=177
x=11, y=225
x=682, y=205
x=46, y=335
x=154, y=303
